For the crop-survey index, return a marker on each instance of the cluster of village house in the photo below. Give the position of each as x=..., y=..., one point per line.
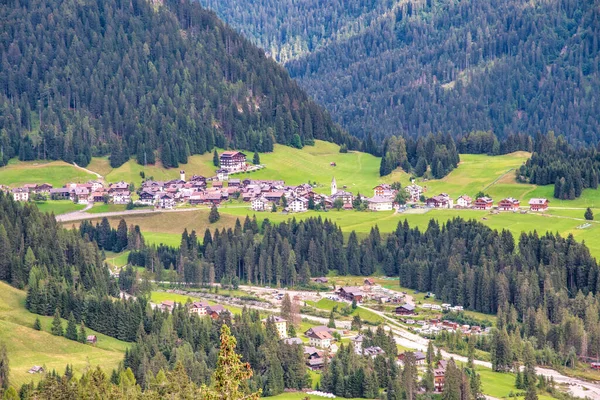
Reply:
x=321, y=341
x=260, y=194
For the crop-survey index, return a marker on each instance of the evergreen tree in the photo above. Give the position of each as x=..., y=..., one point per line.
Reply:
x=409, y=376
x=37, y=325
x=214, y=215
x=216, y=161
x=256, y=158
x=82, y=334
x=331, y=322
x=589, y=214
x=230, y=373
x=4, y=367
x=56, y=328
x=71, y=332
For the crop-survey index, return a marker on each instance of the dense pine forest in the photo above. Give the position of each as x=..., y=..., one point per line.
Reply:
x=125, y=78
x=571, y=169
x=418, y=67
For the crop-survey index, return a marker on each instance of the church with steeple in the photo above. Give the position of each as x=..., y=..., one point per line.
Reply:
x=333, y=186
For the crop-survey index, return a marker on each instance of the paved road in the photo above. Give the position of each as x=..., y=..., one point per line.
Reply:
x=82, y=214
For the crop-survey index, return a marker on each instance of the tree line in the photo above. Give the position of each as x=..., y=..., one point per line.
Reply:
x=128, y=79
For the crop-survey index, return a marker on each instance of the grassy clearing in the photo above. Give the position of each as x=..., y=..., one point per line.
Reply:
x=329, y=305
x=28, y=347
x=56, y=173
x=298, y=396
x=104, y=208
x=58, y=206
x=117, y=259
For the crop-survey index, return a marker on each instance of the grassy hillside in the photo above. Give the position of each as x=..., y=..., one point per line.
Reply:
x=56, y=173
x=28, y=347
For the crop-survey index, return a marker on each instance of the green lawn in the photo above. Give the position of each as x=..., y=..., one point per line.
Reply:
x=58, y=206
x=104, y=208
x=28, y=347
x=328, y=305
x=56, y=173
x=300, y=396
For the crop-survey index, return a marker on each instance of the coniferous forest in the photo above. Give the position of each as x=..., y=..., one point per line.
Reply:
x=137, y=78
x=417, y=67
x=554, y=161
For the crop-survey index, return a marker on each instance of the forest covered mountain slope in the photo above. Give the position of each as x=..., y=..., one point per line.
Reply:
x=415, y=67
x=96, y=77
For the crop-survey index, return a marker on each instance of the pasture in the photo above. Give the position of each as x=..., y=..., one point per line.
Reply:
x=28, y=347
x=56, y=173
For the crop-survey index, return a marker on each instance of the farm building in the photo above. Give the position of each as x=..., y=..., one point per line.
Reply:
x=351, y=293
x=405, y=309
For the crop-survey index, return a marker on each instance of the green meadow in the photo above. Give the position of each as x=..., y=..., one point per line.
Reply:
x=28, y=347
x=58, y=206
x=56, y=173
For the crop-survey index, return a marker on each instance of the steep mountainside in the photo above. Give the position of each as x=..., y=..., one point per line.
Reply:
x=438, y=65
x=92, y=77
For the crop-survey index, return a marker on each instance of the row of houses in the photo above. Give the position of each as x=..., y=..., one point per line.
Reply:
x=443, y=200
x=81, y=193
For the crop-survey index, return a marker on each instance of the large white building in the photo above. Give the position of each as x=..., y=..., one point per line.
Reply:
x=414, y=192
x=380, y=203
x=20, y=194
x=298, y=205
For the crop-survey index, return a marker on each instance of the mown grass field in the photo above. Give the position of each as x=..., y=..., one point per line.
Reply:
x=28, y=347
x=329, y=305
x=58, y=206
x=56, y=173
x=159, y=297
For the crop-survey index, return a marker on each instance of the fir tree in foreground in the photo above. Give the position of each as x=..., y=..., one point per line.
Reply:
x=214, y=215
x=230, y=373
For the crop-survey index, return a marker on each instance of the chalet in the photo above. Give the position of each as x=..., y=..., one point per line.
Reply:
x=198, y=180
x=118, y=187
x=167, y=305
x=298, y=205
x=439, y=378
x=232, y=160
x=213, y=198
x=414, y=192
x=280, y=325
x=358, y=341
x=373, y=351
x=274, y=197
x=165, y=200
x=420, y=357
x=351, y=293
x=217, y=184
x=346, y=197
x=96, y=197
x=146, y=198
x=80, y=195
x=222, y=175
x=440, y=201
x=321, y=339
x=321, y=279
x=60, y=194
x=91, y=339
x=316, y=329
x=95, y=185
x=379, y=203
x=199, y=308
x=405, y=309
x=121, y=197
x=538, y=204
x=595, y=365
x=464, y=201
x=216, y=310
x=483, y=203
x=20, y=194
x=509, y=204
x=260, y=204
x=369, y=281
x=43, y=188
x=314, y=358
x=36, y=369
x=382, y=190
